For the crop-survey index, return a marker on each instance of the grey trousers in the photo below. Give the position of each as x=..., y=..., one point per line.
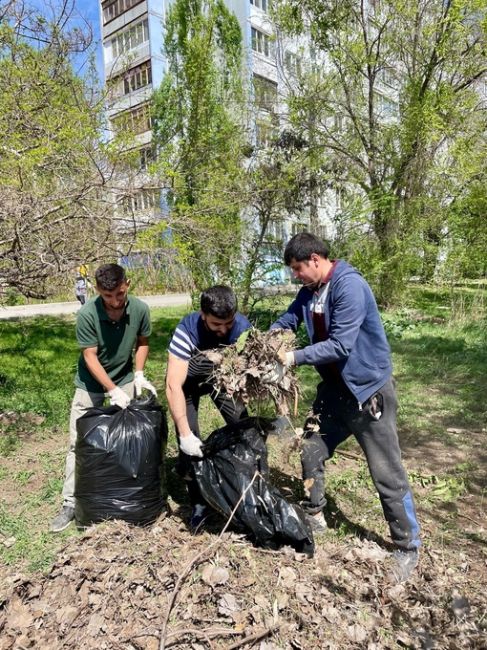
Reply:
x=336, y=416
x=82, y=401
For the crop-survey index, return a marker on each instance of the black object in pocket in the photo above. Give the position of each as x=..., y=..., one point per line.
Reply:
x=374, y=406
x=232, y=457
x=119, y=456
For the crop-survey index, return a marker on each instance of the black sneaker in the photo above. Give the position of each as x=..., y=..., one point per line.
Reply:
x=198, y=516
x=62, y=520
x=403, y=564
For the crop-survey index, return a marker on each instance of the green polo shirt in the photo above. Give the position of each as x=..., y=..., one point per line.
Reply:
x=115, y=340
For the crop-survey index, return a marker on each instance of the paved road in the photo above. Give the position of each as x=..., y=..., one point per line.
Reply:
x=59, y=308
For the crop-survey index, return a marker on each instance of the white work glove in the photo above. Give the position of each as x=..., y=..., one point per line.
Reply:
x=140, y=382
x=118, y=397
x=276, y=374
x=191, y=445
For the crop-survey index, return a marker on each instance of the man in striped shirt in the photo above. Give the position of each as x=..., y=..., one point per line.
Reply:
x=188, y=378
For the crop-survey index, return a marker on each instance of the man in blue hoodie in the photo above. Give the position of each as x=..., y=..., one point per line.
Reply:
x=356, y=396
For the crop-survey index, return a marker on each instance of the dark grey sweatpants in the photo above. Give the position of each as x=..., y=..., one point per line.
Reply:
x=336, y=416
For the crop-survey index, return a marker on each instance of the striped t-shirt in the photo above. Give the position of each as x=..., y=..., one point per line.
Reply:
x=192, y=336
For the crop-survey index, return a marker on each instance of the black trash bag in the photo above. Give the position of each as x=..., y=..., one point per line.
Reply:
x=232, y=455
x=119, y=454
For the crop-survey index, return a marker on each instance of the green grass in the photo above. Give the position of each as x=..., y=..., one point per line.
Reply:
x=38, y=363
x=34, y=547
x=440, y=366
x=439, y=344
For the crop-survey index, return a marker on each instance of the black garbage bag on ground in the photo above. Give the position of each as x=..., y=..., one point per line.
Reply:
x=119, y=455
x=232, y=456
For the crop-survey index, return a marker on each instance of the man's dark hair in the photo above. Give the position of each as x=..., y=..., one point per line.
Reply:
x=302, y=246
x=219, y=301
x=109, y=276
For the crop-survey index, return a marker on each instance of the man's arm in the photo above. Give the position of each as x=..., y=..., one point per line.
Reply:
x=293, y=317
x=177, y=371
x=141, y=352
x=96, y=370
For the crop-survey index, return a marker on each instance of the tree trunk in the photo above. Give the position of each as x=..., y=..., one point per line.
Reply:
x=314, y=224
x=390, y=277
x=251, y=265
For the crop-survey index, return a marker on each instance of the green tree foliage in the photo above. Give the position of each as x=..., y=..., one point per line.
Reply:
x=198, y=130
x=392, y=93
x=465, y=236
x=56, y=176
x=277, y=181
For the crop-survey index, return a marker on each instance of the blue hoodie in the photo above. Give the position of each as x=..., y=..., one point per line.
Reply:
x=357, y=344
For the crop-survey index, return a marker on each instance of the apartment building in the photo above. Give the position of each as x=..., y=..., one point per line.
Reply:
x=134, y=65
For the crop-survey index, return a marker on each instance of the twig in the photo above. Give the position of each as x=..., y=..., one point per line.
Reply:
x=474, y=521
x=175, y=636
x=195, y=561
x=253, y=637
x=199, y=634
x=348, y=454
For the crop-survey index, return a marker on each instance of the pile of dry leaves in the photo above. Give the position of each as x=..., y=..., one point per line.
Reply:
x=127, y=588
x=242, y=369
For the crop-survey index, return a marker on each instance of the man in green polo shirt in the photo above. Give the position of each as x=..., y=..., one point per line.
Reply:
x=108, y=329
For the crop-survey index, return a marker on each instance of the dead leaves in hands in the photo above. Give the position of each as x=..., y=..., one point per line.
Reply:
x=239, y=369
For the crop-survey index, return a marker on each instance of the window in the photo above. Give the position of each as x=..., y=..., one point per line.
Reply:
x=137, y=78
x=261, y=42
x=292, y=63
x=265, y=93
x=114, y=8
x=375, y=6
x=141, y=201
x=138, y=120
x=273, y=241
x=388, y=77
x=146, y=157
x=299, y=227
x=321, y=231
x=131, y=80
x=260, y=4
x=338, y=121
x=385, y=107
x=265, y=133
x=130, y=38
x=275, y=230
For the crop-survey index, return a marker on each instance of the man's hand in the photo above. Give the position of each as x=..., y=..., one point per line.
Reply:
x=119, y=398
x=141, y=382
x=191, y=445
x=276, y=374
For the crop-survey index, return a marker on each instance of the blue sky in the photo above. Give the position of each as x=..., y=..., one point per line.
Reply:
x=88, y=11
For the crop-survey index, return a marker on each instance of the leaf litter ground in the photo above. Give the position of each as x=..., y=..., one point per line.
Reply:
x=148, y=588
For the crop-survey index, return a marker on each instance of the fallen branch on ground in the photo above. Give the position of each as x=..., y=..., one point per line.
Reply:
x=253, y=637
